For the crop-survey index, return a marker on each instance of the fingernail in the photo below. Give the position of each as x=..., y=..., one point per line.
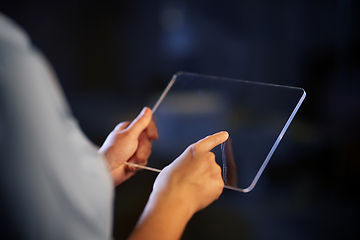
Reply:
x=130, y=168
x=226, y=134
x=144, y=110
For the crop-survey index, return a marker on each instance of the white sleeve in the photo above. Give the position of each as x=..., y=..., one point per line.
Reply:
x=54, y=184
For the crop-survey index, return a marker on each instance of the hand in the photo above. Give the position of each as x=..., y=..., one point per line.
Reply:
x=129, y=141
x=187, y=185
x=194, y=179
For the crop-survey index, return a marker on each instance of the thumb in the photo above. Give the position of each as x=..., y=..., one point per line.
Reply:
x=141, y=122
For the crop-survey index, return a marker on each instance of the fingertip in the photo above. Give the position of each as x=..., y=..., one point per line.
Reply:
x=143, y=111
x=225, y=134
x=146, y=110
x=129, y=168
x=222, y=136
x=147, y=114
x=212, y=141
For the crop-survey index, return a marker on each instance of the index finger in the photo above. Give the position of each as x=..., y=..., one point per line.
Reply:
x=208, y=143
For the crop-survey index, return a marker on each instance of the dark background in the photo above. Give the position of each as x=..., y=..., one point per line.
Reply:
x=112, y=57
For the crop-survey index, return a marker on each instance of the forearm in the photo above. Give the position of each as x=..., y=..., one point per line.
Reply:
x=162, y=218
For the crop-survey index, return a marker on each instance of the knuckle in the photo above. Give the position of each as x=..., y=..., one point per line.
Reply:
x=218, y=170
x=122, y=134
x=220, y=184
x=211, y=155
x=192, y=148
x=221, y=187
x=140, y=157
x=195, y=147
x=147, y=155
x=144, y=162
x=121, y=126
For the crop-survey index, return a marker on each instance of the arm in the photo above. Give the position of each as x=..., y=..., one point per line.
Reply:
x=129, y=141
x=186, y=186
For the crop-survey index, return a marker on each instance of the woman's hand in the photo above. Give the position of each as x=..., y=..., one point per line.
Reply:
x=194, y=178
x=187, y=185
x=129, y=142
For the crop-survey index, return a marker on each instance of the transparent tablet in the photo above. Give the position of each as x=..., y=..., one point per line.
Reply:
x=256, y=115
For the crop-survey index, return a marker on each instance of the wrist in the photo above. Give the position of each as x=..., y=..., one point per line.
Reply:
x=173, y=201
